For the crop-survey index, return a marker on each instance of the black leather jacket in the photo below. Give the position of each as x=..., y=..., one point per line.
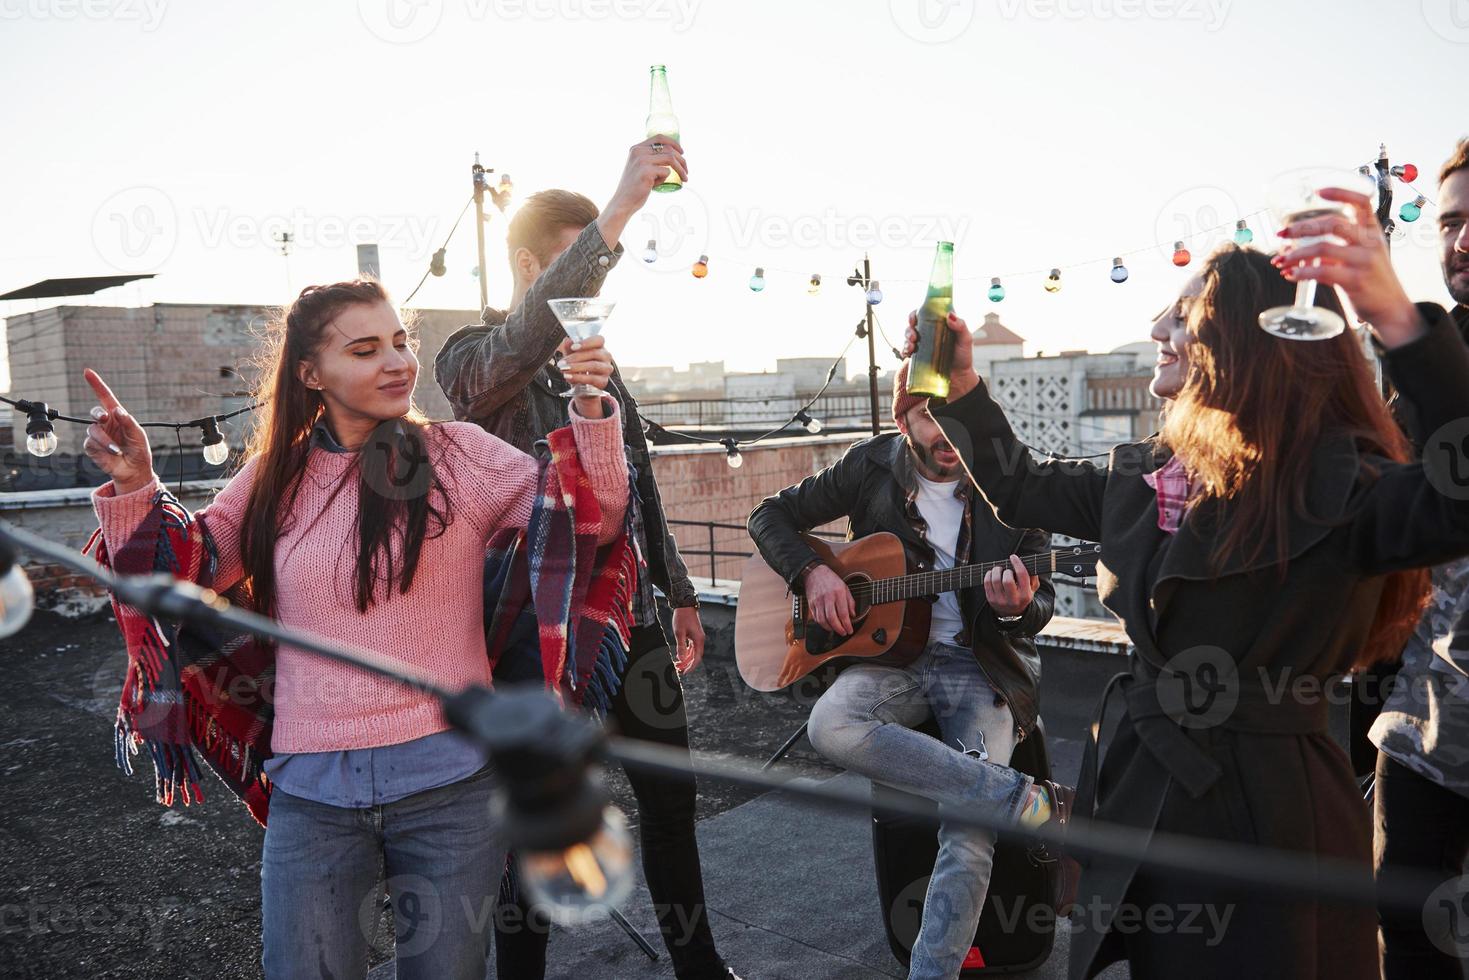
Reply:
x=869, y=487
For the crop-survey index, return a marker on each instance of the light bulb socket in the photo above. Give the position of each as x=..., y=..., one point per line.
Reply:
x=703, y=260
x=1055, y=274
x=1240, y=225
x=210, y=428
x=544, y=757
x=38, y=418
x=759, y=272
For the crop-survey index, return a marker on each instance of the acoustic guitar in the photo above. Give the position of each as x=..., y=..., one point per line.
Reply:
x=777, y=642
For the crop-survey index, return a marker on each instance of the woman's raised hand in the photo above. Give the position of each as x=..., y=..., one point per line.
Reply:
x=116, y=442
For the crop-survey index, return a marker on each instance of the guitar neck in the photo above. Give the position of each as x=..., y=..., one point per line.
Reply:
x=963, y=577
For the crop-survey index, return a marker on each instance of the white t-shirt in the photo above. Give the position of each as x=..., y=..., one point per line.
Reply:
x=942, y=512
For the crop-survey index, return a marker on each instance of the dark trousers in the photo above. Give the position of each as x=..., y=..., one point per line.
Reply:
x=650, y=706
x=1418, y=825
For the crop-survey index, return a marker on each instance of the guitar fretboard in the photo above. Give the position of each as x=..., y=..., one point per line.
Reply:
x=1077, y=561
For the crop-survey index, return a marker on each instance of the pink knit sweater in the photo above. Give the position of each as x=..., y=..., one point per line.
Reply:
x=437, y=626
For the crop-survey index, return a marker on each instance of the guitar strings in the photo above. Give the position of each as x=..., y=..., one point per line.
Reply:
x=892, y=589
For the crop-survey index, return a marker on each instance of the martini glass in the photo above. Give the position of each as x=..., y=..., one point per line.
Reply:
x=582, y=319
x=1294, y=197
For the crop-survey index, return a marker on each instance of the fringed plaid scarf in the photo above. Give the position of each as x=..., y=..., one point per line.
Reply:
x=189, y=690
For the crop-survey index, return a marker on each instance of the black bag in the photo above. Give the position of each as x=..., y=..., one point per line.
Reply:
x=1020, y=887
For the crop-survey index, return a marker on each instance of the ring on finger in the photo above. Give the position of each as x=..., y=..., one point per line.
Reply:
x=657, y=148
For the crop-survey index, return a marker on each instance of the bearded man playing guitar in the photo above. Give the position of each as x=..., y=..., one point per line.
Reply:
x=977, y=675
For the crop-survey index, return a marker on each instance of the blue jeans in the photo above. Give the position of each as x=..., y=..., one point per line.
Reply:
x=321, y=879
x=865, y=722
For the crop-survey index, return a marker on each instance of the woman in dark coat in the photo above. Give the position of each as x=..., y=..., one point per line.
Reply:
x=1270, y=539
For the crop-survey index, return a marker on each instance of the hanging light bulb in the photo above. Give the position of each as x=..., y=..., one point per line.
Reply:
x=815, y=286
x=650, y=253
x=1407, y=172
x=40, y=434
x=437, y=265
x=701, y=267
x=732, y=454
x=1242, y=233
x=874, y=294
x=1411, y=211
x=1119, y=271
x=506, y=185
x=575, y=855
x=757, y=281
x=216, y=450
x=1053, y=281
x=17, y=598
x=587, y=876
x=1395, y=231
x=813, y=425
x=474, y=271
x=1181, y=255
x=996, y=291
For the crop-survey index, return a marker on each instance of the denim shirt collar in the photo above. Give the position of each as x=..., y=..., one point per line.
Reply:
x=321, y=436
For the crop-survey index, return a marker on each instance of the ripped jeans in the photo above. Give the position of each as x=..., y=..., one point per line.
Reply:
x=865, y=721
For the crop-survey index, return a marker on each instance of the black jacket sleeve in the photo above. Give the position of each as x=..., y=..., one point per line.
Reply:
x=1064, y=496
x=1043, y=605
x=1417, y=514
x=777, y=523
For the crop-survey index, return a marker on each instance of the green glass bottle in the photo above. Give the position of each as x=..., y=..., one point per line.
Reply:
x=928, y=374
x=662, y=121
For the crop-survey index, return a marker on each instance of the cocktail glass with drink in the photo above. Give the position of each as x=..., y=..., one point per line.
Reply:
x=582, y=318
x=1297, y=197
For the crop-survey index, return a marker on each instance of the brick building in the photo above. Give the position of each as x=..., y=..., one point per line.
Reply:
x=167, y=361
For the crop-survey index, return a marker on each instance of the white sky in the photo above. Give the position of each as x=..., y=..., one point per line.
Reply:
x=175, y=135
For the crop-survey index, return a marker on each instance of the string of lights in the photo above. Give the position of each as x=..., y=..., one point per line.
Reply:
x=437, y=265
x=41, y=432
x=1242, y=234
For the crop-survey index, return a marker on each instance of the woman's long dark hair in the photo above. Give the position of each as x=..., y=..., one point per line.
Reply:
x=400, y=501
x=1252, y=409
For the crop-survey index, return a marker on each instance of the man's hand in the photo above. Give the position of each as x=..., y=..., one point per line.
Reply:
x=1009, y=589
x=587, y=362
x=648, y=165
x=962, y=379
x=1359, y=263
x=829, y=600
x=688, y=639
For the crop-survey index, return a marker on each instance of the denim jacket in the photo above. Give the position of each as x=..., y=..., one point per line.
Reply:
x=498, y=374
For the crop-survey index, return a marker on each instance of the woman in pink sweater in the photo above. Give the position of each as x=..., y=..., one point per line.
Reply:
x=354, y=518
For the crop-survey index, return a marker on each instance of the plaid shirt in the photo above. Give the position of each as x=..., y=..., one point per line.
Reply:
x=1172, y=486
